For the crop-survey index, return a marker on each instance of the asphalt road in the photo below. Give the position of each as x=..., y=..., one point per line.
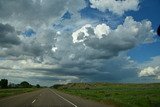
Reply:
x=47, y=98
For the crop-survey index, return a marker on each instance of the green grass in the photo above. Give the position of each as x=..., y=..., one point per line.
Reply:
x=11, y=92
x=120, y=95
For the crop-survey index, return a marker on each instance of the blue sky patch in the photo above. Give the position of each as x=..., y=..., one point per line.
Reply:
x=67, y=15
x=29, y=32
x=144, y=52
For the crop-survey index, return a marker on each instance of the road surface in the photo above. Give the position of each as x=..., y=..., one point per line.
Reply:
x=47, y=98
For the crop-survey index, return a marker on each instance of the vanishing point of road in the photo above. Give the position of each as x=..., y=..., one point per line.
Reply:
x=47, y=98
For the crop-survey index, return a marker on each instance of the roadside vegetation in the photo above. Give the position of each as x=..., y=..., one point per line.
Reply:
x=14, y=91
x=120, y=95
x=10, y=89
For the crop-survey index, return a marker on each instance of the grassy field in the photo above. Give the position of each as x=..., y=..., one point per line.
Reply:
x=120, y=95
x=11, y=92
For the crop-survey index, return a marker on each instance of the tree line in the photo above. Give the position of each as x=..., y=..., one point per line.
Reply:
x=4, y=84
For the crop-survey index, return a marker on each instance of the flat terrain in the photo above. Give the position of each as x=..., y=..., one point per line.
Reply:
x=14, y=91
x=120, y=95
x=47, y=98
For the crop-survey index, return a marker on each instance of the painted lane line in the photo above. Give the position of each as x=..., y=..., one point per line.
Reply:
x=64, y=99
x=33, y=101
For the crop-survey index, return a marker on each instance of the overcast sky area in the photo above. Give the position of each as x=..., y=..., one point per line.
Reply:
x=48, y=42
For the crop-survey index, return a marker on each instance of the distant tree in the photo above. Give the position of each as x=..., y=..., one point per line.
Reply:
x=4, y=83
x=12, y=85
x=25, y=84
x=38, y=86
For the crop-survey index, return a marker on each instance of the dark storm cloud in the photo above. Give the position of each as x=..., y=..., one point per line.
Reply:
x=25, y=49
x=115, y=70
x=8, y=36
x=33, y=49
x=5, y=68
x=64, y=71
x=6, y=28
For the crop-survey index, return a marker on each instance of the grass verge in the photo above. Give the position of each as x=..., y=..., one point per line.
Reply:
x=10, y=92
x=120, y=95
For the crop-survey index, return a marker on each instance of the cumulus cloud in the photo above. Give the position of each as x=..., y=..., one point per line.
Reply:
x=87, y=30
x=81, y=34
x=101, y=29
x=151, y=68
x=110, y=42
x=116, y=6
x=149, y=71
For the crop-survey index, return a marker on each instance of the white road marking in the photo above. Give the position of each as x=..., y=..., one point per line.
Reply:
x=64, y=99
x=33, y=101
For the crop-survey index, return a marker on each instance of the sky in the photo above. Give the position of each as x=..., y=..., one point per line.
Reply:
x=50, y=42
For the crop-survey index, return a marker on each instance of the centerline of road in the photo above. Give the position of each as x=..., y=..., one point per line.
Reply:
x=33, y=101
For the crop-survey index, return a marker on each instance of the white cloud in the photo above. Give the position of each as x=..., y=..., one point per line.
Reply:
x=54, y=48
x=101, y=29
x=115, y=6
x=25, y=63
x=88, y=30
x=149, y=71
x=151, y=68
x=158, y=77
x=58, y=33
x=81, y=34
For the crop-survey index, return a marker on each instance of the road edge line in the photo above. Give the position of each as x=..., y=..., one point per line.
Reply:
x=64, y=99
